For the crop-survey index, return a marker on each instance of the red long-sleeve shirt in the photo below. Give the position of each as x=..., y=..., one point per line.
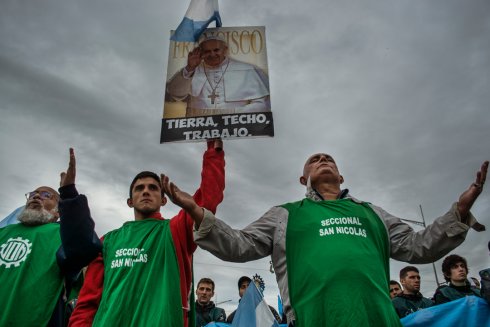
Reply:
x=209, y=195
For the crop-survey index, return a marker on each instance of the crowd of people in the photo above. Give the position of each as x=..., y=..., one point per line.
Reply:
x=409, y=299
x=141, y=274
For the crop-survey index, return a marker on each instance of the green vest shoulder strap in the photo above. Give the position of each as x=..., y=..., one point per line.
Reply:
x=291, y=206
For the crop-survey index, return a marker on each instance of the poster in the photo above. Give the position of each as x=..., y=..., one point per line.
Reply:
x=218, y=87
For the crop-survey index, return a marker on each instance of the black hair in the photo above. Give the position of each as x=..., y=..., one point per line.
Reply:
x=141, y=175
x=393, y=282
x=404, y=271
x=206, y=280
x=243, y=279
x=451, y=261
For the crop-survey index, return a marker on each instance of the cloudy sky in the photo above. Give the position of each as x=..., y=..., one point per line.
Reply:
x=397, y=91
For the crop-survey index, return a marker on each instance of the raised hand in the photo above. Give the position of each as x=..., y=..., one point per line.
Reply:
x=182, y=199
x=68, y=178
x=216, y=144
x=193, y=59
x=469, y=196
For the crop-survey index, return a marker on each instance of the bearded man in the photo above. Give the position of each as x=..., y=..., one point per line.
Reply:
x=37, y=264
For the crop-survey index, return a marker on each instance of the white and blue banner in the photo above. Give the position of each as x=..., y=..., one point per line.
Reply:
x=198, y=16
x=253, y=311
x=464, y=312
x=12, y=217
x=279, y=305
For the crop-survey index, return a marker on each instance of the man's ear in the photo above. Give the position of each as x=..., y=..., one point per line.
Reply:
x=303, y=180
x=164, y=201
x=129, y=202
x=341, y=179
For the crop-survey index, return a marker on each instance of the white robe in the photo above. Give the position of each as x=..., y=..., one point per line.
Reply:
x=239, y=86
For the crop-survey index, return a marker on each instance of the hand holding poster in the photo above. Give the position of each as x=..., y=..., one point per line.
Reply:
x=218, y=87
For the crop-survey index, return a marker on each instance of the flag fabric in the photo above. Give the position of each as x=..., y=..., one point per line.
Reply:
x=279, y=305
x=12, y=217
x=253, y=311
x=467, y=311
x=196, y=19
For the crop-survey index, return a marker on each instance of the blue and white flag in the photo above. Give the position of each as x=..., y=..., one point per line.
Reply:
x=279, y=305
x=12, y=217
x=467, y=311
x=253, y=311
x=196, y=19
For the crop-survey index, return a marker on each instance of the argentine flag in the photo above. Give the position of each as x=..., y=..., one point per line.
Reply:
x=467, y=311
x=12, y=217
x=253, y=311
x=196, y=19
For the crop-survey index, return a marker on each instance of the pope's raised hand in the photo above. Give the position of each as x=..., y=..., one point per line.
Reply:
x=469, y=196
x=193, y=59
x=68, y=177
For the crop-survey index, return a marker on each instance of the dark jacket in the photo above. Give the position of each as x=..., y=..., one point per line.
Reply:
x=79, y=245
x=208, y=313
x=406, y=304
x=448, y=293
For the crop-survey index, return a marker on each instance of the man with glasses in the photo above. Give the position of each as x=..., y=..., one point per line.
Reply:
x=13, y=218
x=41, y=207
x=37, y=264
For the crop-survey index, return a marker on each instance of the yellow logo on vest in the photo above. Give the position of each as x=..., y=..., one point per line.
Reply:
x=14, y=252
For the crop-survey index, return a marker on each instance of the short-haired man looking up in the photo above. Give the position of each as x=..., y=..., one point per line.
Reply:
x=206, y=310
x=410, y=300
x=144, y=274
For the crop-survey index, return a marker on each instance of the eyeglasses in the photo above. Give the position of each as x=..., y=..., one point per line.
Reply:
x=42, y=194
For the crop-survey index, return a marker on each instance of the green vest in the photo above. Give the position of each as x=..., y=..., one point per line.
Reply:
x=338, y=265
x=141, y=277
x=30, y=279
